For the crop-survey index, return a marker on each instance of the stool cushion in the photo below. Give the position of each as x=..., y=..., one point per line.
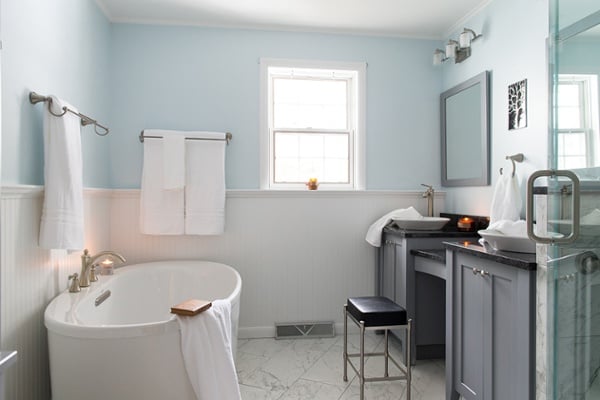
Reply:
x=376, y=311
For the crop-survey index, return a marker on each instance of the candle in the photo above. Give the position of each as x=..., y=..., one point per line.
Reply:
x=465, y=223
x=107, y=267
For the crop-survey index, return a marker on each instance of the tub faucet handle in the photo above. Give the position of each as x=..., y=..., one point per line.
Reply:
x=93, y=274
x=74, y=287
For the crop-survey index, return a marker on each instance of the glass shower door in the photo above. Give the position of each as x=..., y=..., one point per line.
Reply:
x=573, y=272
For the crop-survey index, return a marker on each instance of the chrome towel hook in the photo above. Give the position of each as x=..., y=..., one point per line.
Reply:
x=519, y=157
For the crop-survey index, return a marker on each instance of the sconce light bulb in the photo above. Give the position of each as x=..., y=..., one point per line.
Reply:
x=451, y=48
x=438, y=57
x=465, y=39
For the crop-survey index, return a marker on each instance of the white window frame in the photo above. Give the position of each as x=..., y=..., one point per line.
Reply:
x=357, y=137
x=589, y=115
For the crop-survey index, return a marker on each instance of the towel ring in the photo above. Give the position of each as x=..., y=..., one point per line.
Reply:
x=519, y=157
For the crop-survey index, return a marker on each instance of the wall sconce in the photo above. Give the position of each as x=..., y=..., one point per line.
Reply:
x=458, y=50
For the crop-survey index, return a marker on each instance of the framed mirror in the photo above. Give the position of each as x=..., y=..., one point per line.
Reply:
x=465, y=133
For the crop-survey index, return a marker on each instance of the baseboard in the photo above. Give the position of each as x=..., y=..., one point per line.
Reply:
x=256, y=332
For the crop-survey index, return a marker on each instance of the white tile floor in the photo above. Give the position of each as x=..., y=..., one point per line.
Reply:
x=270, y=369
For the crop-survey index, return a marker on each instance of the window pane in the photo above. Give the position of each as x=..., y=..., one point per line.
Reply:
x=299, y=156
x=305, y=103
x=568, y=95
x=571, y=150
x=569, y=118
x=569, y=105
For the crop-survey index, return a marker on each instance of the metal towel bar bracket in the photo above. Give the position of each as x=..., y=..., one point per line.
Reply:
x=519, y=157
x=35, y=98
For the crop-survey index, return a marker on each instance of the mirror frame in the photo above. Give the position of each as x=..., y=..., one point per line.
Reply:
x=484, y=178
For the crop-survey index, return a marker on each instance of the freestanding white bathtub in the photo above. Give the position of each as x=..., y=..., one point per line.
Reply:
x=128, y=347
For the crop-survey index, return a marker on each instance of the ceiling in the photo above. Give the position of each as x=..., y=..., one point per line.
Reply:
x=409, y=18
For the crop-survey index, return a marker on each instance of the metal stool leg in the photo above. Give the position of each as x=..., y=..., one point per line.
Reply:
x=345, y=343
x=362, y=360
x=408, y=359
x=386, y=354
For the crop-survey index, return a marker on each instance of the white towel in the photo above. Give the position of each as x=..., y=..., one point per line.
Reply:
x=161, y=211
x=62, y=214
x=206, y=346
x=506, y=200
x=205, y=185
x=173, y=161
x=374, y=233
x=509, y=228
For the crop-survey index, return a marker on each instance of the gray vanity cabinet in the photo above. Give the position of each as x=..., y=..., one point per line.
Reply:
x=398, y=280
x=490, y=334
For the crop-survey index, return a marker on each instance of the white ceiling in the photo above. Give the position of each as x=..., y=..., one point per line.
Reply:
x=410, y=18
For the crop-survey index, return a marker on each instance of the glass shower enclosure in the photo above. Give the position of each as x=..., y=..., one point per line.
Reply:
x=570, y=194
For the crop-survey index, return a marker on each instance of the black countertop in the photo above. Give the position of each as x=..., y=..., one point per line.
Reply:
x=447, y=233
x=519, y=260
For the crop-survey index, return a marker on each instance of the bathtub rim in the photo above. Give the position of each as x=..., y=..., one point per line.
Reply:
x=116, y=331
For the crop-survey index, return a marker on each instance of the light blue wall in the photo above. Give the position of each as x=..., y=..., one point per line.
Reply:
x=56, y=47
x=208, y=79
x=513, y=48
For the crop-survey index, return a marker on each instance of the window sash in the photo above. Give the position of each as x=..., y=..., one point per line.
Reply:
x=322, y=179
x=355, y=74
x=351, y=104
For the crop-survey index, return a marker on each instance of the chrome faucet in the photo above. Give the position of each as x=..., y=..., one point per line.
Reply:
x=429, y=194
x=87, y=266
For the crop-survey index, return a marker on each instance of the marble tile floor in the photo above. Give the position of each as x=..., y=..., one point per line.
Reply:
x=294, y=369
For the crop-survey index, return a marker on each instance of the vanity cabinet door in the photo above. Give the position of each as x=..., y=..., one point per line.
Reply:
x=469, y=331
x=492, y=330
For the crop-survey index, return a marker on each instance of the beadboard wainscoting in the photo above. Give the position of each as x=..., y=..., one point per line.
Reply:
x=300, y=253
x=30, y=277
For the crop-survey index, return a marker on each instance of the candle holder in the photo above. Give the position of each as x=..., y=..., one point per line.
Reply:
x=312, y=184
x=107, y=267
x=465, y=224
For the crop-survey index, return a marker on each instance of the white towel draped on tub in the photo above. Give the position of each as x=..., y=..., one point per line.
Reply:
x=205, y=185
x=207, y=352
x=61, y=225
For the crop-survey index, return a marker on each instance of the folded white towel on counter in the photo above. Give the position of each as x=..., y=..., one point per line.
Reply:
x=207, y=352
x=374, y=233
x=509, y=228
x=161, y=211
x=205, y=184
x=506, y=200
x=173, y=160
x=61, y=225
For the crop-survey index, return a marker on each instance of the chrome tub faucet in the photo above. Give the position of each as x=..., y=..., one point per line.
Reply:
x=429, y=193
x=87, y=265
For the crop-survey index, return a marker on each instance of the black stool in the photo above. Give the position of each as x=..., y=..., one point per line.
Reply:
x=376, y=313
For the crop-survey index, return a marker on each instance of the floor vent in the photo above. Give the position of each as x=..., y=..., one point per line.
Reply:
x=295, y=330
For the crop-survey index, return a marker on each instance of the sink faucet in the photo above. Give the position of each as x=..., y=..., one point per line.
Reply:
x=87, y=263
x=429, y=194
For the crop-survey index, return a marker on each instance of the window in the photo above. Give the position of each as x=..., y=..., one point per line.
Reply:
x=577, y=109
x=312, y=117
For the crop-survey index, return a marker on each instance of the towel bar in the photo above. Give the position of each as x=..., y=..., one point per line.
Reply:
x=228, y=137
x=35, y=98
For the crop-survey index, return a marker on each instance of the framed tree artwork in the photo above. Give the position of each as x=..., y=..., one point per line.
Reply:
x=517, y=105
